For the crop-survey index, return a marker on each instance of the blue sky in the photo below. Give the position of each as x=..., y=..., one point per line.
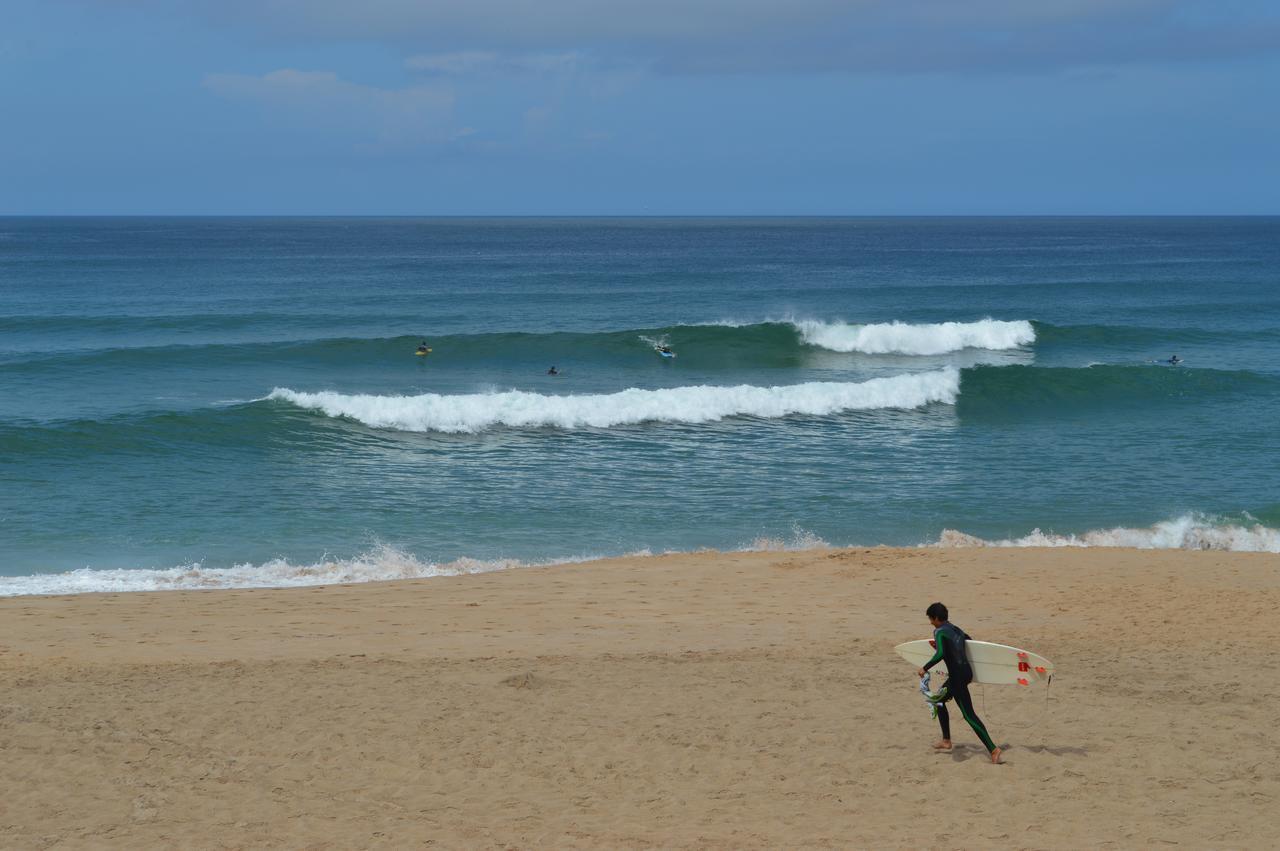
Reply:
x=586, y=107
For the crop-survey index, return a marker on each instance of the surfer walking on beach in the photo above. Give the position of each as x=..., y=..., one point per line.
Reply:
x=949, y=642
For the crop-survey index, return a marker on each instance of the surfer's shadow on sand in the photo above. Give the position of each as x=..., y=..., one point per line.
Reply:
x=963, y=753
x=1061, y=750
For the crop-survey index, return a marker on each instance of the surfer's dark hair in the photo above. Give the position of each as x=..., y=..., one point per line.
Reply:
x=937, y=611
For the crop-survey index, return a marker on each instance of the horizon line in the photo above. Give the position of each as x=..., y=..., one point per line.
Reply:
x=639, y=215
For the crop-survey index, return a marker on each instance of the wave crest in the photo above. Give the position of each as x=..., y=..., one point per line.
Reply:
x=1188, y=532
x=904, y=339
x=471, y=413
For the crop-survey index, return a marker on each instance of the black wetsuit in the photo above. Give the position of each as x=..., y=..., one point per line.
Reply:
x=949, y=642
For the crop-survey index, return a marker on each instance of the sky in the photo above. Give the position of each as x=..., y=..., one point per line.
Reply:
x=639, y=107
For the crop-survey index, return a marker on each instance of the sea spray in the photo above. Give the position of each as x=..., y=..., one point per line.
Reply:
x=800, y=540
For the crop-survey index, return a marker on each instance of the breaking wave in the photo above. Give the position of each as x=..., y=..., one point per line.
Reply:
x=715, y=344
x=471, y=413
x=385, y=563
x=380, y=564
x=901, y=338
x=712, y=345
x=1188, y=532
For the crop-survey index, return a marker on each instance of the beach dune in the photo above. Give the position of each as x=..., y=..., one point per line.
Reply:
x=700, y=700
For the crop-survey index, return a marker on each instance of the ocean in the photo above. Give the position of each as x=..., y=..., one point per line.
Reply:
x=236, y=402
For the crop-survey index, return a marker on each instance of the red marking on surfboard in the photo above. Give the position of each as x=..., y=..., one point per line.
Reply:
x=1023, y=667
x=1023, y=682
x=933, y=644
x=1040, y=670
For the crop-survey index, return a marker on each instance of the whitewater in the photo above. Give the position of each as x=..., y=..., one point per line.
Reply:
x=385, y=563
x=476, y=412
x=237, y=402
x=921, y=339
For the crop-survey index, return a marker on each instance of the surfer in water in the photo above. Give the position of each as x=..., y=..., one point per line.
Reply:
x=949, y=642
x=423, y=348
x=553, y=371
x=1175, y=360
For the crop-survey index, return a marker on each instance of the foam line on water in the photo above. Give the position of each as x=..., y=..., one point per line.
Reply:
x=379, y=564
x=906, y=339
x=470, y=413
x=383, y=563
x=1188, y=532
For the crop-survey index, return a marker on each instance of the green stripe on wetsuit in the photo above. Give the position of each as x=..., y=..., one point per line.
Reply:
x=948, y=642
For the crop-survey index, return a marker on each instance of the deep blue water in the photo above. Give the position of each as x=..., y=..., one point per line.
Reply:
x=244, y=392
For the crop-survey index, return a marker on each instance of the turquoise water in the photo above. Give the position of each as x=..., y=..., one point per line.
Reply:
x=237, y=401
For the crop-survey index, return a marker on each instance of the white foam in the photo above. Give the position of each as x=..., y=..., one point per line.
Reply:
x=656, y=342
x=1188, y=532
x=431, y=412
x=384, y=563
x=380, y=564
x=800, y=540
x=905, y=339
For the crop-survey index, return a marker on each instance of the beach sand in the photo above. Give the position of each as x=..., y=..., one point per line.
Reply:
x=721, y=700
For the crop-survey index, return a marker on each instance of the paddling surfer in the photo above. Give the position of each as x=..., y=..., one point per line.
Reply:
x=948, y=640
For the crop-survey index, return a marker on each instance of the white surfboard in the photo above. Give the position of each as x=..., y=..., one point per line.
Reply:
x=994, y=664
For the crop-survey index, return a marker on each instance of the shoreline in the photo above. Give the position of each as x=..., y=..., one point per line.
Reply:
x=690, y=700
x=1191, y=531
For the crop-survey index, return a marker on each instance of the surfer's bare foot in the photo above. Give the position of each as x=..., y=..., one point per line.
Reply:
x=995, y=757
x=942, y=745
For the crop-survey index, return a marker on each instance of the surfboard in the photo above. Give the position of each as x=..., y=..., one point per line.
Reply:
x=665, y=354
x=994, y=664
x=423, y=354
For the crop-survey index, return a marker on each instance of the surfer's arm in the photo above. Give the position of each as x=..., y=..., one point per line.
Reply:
x=937, y=656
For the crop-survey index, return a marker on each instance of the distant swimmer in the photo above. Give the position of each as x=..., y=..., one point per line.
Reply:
x=553, y=371
x=665, y=351
x=423, y=349
x=1175, y=360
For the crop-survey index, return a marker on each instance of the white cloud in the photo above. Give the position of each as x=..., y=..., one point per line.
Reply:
x=408, y=116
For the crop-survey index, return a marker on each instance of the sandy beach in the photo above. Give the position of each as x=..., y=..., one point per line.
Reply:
x=701, y=700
